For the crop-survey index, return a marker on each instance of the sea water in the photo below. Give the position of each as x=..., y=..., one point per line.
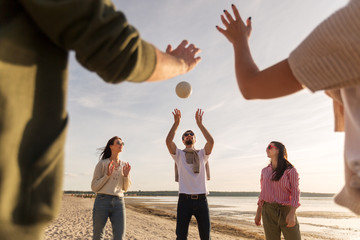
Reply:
x=316, y=214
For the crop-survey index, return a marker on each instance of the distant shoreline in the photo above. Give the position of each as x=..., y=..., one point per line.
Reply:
x=212, y=193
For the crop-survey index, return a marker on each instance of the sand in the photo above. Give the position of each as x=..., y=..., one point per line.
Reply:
x=146, y=221
x=142, y=222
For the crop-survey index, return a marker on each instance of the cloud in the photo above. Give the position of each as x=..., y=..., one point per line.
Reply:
x=216, y=106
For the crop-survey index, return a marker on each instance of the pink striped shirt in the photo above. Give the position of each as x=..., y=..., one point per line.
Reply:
x=285, y=191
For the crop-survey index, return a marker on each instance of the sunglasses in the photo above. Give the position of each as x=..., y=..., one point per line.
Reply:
x=187, y=134
x=270, y=147
x=120, y=143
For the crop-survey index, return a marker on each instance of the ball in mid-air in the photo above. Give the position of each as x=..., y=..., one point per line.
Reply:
x=183, y=89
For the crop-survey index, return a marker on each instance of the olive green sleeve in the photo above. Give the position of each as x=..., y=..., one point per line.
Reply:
x=101, y=37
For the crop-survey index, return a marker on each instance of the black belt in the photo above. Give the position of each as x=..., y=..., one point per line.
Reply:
x=193, y=196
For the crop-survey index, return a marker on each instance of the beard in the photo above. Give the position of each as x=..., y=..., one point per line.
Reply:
x=189, y=142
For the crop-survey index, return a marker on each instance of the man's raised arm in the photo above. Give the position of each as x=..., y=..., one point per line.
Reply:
x=209, y=139
x=170, y=137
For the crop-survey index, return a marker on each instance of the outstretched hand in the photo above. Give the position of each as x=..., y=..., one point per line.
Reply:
x=177, y=116
x=236, y=31
x=185, y=54
x=198, y=116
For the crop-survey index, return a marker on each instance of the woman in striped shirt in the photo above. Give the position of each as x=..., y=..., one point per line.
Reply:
x=279, y=197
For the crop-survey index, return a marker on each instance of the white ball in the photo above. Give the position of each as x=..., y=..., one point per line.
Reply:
x=183, y=89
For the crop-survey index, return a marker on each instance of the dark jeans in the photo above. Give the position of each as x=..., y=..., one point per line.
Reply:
x=188, y=206
x=113, y=207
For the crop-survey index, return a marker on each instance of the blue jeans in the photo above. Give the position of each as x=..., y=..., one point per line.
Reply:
x=107, y=206
x=188, y=206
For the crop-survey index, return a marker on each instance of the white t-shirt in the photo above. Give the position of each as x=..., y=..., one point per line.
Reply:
x=190, y=182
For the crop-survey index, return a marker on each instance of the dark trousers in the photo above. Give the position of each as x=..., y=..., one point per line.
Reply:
x=189, y=205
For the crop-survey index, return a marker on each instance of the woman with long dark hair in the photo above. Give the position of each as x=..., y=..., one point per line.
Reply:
x=279, y=197
x=111, y=179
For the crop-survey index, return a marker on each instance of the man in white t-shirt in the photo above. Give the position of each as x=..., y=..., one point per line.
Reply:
x=192, y=170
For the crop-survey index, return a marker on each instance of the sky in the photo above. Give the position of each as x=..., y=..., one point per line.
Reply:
x=141, y=113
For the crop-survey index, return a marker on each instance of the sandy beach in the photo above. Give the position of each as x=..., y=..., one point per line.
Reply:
x=75, y=222
x=146, y=221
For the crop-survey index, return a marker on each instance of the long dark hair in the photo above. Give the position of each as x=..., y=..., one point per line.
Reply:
x=282, y=162
x=106, y=153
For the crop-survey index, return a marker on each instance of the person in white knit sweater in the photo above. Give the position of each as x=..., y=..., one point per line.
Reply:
x=111, y=179
x=328, y=59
